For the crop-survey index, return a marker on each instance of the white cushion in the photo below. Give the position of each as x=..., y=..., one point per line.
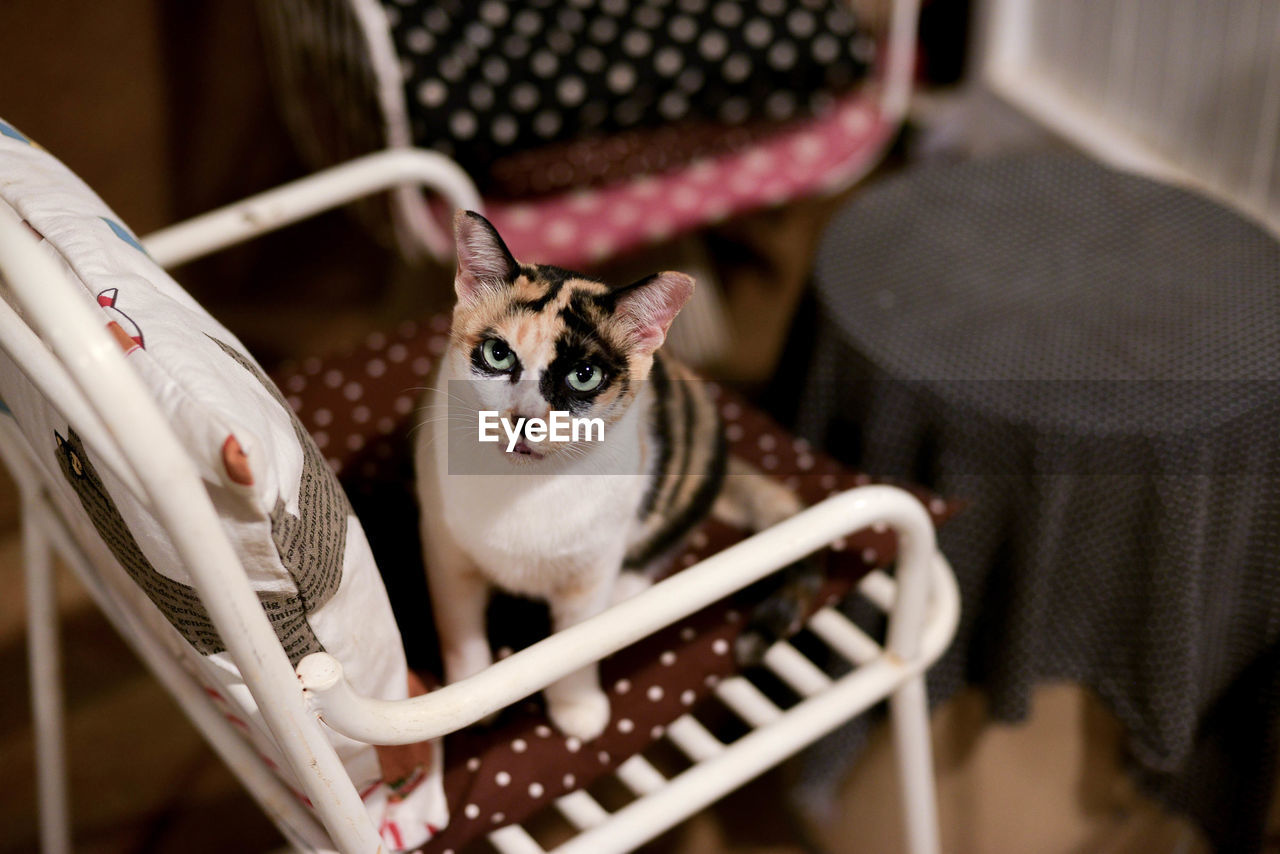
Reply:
x=281, y=506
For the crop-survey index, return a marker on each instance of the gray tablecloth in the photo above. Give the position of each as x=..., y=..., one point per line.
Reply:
x=1091, y=360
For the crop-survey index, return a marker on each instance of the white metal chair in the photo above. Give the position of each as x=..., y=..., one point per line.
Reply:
x=48, y=331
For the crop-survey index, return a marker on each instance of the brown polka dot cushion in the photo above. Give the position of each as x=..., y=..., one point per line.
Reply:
x=359, y=406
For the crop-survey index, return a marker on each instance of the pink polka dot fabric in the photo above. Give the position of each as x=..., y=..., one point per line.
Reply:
x=580, y=227
x=361, y=404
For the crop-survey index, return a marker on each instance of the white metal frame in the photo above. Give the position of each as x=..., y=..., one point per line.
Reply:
x=66, y=352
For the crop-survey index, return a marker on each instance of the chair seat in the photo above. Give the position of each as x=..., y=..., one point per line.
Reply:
x=360, y=407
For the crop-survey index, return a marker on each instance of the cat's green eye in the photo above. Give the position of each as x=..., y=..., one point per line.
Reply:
x=498, y=355
x=585, y=377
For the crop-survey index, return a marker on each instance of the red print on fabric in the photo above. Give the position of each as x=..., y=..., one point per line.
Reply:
x=120, y=321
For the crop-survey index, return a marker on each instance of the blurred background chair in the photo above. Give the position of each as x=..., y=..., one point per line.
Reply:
x=354, y=76
x=628, y=124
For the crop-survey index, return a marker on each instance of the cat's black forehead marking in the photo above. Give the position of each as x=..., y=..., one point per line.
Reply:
x=583, y=325
x=578, y=317
x=537, y=305
x=552, y=273
x=552, y=278
x=575, y=346
x=582, y=333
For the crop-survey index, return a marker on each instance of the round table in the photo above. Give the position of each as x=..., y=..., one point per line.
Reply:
x=1090, y=360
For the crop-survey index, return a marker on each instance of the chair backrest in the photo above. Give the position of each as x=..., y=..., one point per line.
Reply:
x=341, y=86
x=1183, y=90
x=186, y=493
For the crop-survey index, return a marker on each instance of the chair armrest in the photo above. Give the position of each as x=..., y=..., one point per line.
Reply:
x=532, y=669
x=306, y=197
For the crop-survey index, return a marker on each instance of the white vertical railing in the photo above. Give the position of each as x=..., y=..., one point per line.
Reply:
x=1185, y=90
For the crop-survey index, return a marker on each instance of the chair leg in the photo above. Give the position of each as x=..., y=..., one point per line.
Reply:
x=909, y=707
x=46, y=685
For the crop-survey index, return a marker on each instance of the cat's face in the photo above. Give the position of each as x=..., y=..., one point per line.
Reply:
x=538, y=339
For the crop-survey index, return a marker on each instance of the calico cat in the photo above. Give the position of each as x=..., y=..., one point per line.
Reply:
x=578, y=524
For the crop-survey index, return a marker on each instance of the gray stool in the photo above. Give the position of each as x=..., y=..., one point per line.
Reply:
x=1091, y=360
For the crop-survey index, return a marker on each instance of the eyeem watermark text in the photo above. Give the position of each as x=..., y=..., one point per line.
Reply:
x=559, y=427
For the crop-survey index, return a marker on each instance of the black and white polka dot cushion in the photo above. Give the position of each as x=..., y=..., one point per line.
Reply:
x=489, y=78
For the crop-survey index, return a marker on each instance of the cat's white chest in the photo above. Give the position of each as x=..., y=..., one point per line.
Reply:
x=535, y=535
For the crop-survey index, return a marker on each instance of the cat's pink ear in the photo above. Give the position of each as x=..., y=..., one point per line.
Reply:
x=484, y=262
x=649, y=305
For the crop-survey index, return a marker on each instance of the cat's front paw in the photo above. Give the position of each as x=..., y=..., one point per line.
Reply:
x=583, y=717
